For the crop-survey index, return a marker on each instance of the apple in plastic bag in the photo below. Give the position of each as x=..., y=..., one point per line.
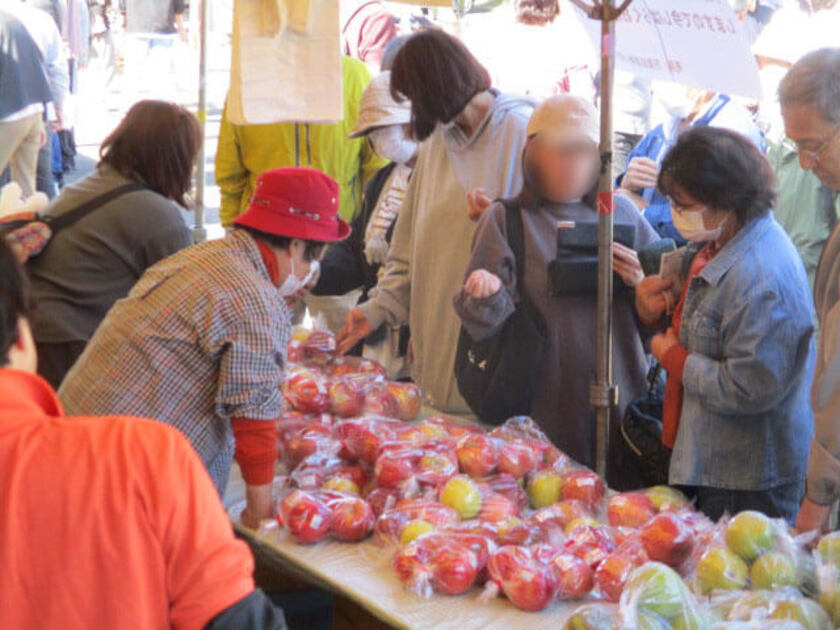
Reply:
x=806, y=612
x=574, y=577
x=306, y=518
x=517, y=459
x=563, y=513
x=630, y=509
x=496, y=508
x=585, y=486
x=829, y=548
x=393, y=469
x=307, y=391
x=545, y=487
x=310, y=440
x=381, y=402
x=341, y=484
x=408, y=399
x=352, y=519
x=774, y=569
x=414, y=529
x=721, y=570
x=477, y=455
x=411, y=563
x=750, y=533
x=527, y=583
x=435, y=468
x=454, y=569
x=593, y=617
x=347, y=399
x=612, y=574
x=657, y=588
x=462, y=494
x=666, y=498
x=667, y=539
x=507, y=485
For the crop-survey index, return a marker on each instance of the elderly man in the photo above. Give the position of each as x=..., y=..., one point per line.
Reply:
x=200, y=342
x=810, y=99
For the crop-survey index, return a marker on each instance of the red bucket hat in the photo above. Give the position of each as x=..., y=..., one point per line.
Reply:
x=297, y=203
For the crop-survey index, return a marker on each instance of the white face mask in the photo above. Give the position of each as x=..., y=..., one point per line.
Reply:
x=390, y=143
x=690, y=225
x=292, y=284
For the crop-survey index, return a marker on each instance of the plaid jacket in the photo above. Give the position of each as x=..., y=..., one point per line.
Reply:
x=200, y=340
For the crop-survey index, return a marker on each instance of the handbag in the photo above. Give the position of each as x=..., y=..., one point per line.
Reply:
x=496, y=376
x=28, y=234
x=641, y=432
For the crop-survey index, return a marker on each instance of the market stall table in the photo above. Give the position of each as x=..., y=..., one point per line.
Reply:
x=362, y=573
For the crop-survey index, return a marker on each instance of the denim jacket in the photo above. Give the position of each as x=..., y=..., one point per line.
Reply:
x=748, y=323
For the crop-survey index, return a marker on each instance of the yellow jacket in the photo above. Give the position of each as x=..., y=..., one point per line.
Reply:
x=245, y=151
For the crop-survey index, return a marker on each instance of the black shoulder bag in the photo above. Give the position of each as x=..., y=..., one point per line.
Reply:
x=496, y=376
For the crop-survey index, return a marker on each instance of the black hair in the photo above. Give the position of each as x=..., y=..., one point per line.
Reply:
x=312, y=249
x=14, y=299
x=722, y=170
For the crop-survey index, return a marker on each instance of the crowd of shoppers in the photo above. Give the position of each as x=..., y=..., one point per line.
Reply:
x=408, y=201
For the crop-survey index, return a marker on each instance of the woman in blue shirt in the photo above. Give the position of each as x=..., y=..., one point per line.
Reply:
x=740, y=354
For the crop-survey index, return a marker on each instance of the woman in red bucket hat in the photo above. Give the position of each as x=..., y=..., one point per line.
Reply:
x=200, y=342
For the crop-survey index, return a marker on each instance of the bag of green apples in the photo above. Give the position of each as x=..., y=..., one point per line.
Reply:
x=827, y=558
x=655, y=596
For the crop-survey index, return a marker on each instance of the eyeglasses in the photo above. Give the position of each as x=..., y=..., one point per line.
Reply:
x=818, y=153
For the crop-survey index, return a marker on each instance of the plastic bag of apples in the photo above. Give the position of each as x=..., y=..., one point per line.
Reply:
x=312, y=516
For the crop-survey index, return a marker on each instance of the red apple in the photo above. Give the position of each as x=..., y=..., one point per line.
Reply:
x=477, y=455
x=380, y=402
x=517, y=459
x=590, y=543
x=497, y=507
x=382, y=499
x=346, y=398
x=352, y=366
x=310, y=440
x=585, y=486
x=408, y=399
x=393, y=469
x=306, y=518
x=352, y=519
x=527, y=583
x=562, y=514
x=612, y=574
x=454, y=569
x=630, y=509
x=411, y=564
x=306, y=391
x=574, y=576
x=434, y=469
x=667, y=539
x=364, y=438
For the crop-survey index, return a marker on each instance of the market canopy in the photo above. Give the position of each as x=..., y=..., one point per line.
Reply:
x=699, y=43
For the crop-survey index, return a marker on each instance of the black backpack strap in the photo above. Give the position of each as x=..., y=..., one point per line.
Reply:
x=516, y=240
x=80, y=212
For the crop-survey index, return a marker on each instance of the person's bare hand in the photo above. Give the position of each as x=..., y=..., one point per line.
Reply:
x=641, y=173
x=626, y=264
x=477, y=203
x=653, y=299
x=812, y=517
x=259, y=505
x=481, y=284
x=660, y=344
x=356, y=328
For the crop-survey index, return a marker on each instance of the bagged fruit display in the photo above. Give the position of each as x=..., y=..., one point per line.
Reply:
x=720, y=569
x=315, y=346
x=593, y=617
x=309, y=440
x=573, y=576
x=352, y=518
x=667, y=538
x=408, y=397
x=306, y=390
x=362, y=371
x=478, y=455
x=630, y=509
x=379, y=401
x=507, y=486
x=422, y=515
x=584, y=486
x=347, y=397
x=525, y=581
x=306, y=517
x=363, y=438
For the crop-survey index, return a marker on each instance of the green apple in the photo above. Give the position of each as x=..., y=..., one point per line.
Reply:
x=829, y=548
x=694, y=620
x=807, y=612
x=462, y=494
x=545, y=488
x=830, y=601
x=721, y=570
x=750, y=534
x=415, y=528
x=592, y=617
x=772, y=570
x=658, y=589
x=743, y=609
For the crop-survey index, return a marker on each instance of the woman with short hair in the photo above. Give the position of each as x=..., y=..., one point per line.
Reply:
x=739, y=349
x=94, y=261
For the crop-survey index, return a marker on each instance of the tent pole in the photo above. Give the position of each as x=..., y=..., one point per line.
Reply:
x=200, y=231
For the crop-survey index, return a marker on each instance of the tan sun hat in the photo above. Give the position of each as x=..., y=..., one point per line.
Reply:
x=565, y=118
x=378, y=108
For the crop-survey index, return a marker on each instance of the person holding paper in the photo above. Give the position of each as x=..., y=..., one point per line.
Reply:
x=739, y=350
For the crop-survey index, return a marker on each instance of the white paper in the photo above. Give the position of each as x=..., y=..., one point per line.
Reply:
x=699, y=43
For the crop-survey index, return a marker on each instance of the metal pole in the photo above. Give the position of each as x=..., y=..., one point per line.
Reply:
x=604, y=392
x=199, y=231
